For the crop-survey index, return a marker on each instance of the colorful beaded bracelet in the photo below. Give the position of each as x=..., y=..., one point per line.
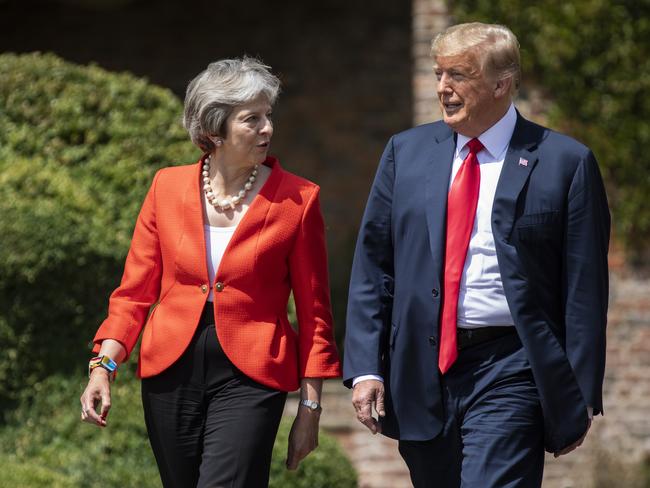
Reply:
x=103, y=362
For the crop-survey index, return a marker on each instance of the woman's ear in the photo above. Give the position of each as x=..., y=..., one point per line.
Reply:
x=216, y=140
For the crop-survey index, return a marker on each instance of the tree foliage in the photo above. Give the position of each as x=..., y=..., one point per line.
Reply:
x=592, y=58
x=78, y=149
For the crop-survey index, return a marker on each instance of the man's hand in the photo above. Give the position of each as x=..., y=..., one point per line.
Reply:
x=365, y=395
x=573, y=446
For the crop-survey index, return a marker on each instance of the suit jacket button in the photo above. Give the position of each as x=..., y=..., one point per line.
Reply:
x=204, y=288
x=435, y=293
x=432, y=340
x=219, y=286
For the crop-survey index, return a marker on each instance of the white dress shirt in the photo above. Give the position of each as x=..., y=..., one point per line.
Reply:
x=481, y=299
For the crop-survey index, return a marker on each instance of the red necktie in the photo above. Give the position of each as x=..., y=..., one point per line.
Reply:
x=461, y=211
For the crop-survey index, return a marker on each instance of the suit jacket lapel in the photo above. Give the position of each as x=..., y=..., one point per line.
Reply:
x=520, y=160
x=438, y=171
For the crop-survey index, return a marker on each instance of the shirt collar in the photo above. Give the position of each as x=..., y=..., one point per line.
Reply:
x=496, y=139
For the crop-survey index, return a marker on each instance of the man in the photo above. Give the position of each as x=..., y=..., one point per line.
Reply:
x=478, y=296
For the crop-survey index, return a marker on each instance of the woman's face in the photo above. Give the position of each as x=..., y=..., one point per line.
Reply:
x=249, y=131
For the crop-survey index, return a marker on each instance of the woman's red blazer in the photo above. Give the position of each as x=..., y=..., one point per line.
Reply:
x=278, y=246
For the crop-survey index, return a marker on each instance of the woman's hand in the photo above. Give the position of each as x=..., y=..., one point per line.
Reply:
x=98, y=391
x=303, y=437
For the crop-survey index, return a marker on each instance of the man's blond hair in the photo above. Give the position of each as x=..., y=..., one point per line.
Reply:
x=495, y=46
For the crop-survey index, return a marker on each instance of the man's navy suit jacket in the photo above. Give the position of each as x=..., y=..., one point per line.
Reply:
x=551, y=224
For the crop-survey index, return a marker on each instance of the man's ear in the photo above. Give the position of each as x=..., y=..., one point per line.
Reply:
x=502, y=87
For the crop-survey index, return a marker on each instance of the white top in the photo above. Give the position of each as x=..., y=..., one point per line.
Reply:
x=481, y=299
x=216, y=241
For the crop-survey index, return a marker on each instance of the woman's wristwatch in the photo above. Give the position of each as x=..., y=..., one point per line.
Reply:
x=103, y=362
x=311, y=405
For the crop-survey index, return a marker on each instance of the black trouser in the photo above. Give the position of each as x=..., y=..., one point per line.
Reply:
x=210, y=425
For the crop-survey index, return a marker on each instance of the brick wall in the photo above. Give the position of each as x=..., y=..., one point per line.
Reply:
x=429, y=17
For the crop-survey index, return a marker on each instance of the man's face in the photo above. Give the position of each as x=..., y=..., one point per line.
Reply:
x=469, y=99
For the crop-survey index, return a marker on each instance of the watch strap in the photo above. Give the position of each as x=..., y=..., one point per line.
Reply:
x=311, y=405
x=104, y=362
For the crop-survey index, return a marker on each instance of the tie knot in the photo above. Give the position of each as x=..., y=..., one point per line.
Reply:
x=475, y=146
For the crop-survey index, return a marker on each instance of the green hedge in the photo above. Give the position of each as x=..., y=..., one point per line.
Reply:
x=45, y=444
x=592, y=58
x=326, y=467
x=78, y=149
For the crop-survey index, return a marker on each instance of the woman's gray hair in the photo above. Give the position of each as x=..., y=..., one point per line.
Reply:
x=495, y=45
x=216, y=91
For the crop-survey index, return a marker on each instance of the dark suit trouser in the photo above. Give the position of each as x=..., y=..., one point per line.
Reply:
x=493, y=436
x=210, y=425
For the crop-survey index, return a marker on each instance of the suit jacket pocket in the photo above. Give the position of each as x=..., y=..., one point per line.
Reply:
x=388, y=285
x=543, y=218
x=393, y=333
x=386, y=308
x=538, y=227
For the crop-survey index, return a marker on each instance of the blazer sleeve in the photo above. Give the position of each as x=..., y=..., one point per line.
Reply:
x=317, y=354
x=586, y=286
x=139, y=289
x=371, y=283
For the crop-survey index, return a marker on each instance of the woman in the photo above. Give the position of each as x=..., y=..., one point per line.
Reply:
x=223, y=242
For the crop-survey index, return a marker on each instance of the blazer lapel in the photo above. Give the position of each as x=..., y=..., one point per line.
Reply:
x=520, y=160
x=191, y=256
x=240, y=254
x=439, y=162
x=192, y=253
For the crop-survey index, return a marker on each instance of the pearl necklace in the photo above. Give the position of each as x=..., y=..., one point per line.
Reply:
x=228, y=202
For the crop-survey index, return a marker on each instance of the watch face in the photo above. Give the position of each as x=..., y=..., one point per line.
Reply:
x=108, y=364
x=310, y=404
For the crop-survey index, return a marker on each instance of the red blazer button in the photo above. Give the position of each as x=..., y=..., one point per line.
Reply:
x=204, y=288
x=219, y=286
